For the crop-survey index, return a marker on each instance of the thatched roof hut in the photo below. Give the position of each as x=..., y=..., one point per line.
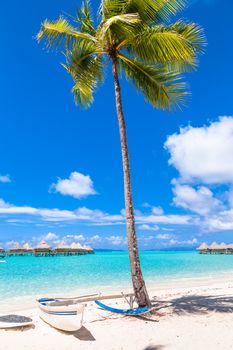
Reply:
x=223, y=246
x=203, y=246
x=88, y=249
x=16, y=248
x=62, y=248
x=27, y=247
x=42, y=248
x=2, y=250
x=214, y=246
x=62, y=245
x=76, y=247
x=43, y=245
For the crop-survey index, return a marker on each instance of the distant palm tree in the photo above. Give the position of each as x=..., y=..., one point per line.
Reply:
x=132, y=34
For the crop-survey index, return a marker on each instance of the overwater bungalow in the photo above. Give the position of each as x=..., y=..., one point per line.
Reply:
x=229, y=248
x=223, y=248
x=16, y=249
x=2, y=252
x=43, y=249
x=88, y=249
x=203, y=248
x=63, y=249
x=215, y=248
x=28, y=250
x=76, y=249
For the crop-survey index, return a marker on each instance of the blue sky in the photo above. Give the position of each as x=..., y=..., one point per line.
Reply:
x=60, y=166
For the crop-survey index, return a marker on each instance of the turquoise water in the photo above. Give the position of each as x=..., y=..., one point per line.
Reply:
x=35, y=276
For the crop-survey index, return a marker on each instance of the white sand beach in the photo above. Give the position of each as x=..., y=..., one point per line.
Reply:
x=196, y=317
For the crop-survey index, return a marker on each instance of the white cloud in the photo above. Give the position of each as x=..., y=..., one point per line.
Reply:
x=50, y=236
x=75, y=237
x=230, y=197
x=222, y=221
x=77, y=185
x=88, y=216
x=5, y=178
x=53, y=214
x=94, y=239
x=165, y=219
x=200, y=201
x=157, y=211
x=188, y=242
x=10, y=243
x=164, y=236
x=146, y=227
x=84, y=213
x=203, y=154
x=117, y=240
x=3, y=204
x=146, y=205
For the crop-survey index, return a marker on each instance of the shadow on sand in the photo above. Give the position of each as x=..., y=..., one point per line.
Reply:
x=83, y=334
x=154, y=347
x=200, y=304
x=19, y=329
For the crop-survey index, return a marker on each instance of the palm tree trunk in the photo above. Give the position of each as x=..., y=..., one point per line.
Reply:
x=140, y=291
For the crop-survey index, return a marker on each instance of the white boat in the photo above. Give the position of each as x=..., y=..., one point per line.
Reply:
x=67, y=313
x=14, y=321
x=59, y=315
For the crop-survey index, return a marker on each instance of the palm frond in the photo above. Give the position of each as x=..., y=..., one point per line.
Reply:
x=157, y=53
x=110, y=8
x=85, y=65
x=120, y=26
x=192, y=32
x=169, y=8
x=148, y=10
x=161, y=46
x=84, y=19
x=58, y=32
x=163, y=89
x=178, y=44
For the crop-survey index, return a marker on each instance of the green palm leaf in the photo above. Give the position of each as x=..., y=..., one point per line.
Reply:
x=57, y=32
x=163, y=89
x=148, y=10
x=120, y=26
x=169, y=8
x=85, y=65
x=156, y=52
x=84, y=19
x=178, y=43
x=192, y=32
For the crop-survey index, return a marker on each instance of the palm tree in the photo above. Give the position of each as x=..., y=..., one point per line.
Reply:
x=135, y=37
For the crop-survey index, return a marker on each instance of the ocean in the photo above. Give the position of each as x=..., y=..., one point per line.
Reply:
x=22, y=279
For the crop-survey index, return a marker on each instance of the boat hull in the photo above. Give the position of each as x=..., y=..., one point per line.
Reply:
x=67, y=318
x=14, y=321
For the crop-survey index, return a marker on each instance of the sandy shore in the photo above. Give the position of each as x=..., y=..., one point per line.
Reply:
x=195, y=317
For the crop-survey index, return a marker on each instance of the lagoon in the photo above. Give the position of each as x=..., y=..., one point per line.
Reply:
x=25, y=278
